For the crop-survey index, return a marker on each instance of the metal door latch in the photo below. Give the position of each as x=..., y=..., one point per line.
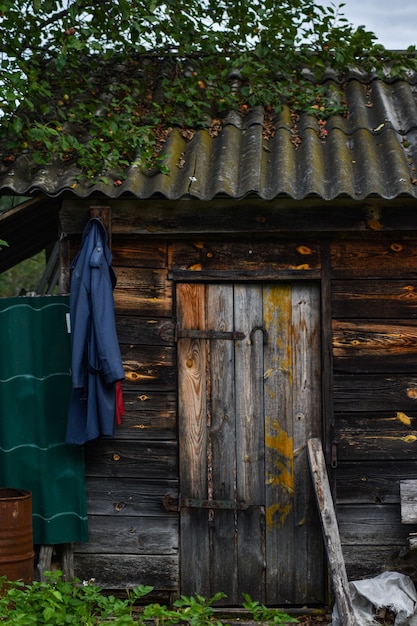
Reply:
x=171, y=503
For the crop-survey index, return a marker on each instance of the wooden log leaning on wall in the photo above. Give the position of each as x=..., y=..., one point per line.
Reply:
x=330, y=533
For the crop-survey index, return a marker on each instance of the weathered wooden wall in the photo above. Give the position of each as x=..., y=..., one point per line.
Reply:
x=369, y=307
x=374, y=310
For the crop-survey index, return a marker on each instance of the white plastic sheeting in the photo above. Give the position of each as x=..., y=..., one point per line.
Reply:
x=390, y=590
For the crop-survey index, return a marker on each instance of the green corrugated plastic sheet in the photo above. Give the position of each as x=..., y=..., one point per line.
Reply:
x=35, y=388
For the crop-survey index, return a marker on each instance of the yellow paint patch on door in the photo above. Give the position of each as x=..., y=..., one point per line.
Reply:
x=271, y=393
x=277, y=303
x=276, y=514
x=280, y=473
x=277, y=306
x=283, y=477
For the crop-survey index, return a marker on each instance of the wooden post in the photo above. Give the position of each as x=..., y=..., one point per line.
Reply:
x=330, y=533
x=45, y=561
x=104, y=214
x=67, y=561
x=64, y=266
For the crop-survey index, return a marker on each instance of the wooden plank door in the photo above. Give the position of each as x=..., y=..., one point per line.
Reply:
x=249, y=400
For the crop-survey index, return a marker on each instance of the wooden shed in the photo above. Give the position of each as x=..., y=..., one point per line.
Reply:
x=266, y=293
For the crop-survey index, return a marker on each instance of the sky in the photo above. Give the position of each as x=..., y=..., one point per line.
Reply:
x=394, y=22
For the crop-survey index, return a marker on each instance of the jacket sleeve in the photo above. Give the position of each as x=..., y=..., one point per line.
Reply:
x=80, y=321
x=105, y=354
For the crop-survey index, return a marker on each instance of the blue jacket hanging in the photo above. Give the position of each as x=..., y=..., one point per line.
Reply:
x=96, y=360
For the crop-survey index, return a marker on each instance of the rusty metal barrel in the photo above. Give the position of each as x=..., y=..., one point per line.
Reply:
x=16, y=535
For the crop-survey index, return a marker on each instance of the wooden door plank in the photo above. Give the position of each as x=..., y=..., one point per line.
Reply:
x=192, y=411
x=221, y=445
x=279, y=459
x=306, y=418
x=330, y=532
x=250, y=440
x=249, y=406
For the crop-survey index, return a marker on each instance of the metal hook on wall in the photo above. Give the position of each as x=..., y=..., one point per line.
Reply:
x=103, y=213
x=264, y=332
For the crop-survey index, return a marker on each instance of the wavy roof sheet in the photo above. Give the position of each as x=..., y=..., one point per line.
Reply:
x=371, y=151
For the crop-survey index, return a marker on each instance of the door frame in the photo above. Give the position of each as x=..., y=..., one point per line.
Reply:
x=322, y=349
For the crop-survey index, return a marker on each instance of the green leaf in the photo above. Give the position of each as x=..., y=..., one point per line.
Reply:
x=48, y=613
x=17, y=125
x=57, y=594
x=60, y=61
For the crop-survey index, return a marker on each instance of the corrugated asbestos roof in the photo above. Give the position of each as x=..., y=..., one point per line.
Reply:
x=373, y=151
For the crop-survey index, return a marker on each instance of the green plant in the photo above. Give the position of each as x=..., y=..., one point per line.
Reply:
x=196, y=610
x=262, y=613
x=102, y=84
x=59, y=603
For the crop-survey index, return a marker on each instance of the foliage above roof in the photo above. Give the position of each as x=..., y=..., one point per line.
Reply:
x=103, y=83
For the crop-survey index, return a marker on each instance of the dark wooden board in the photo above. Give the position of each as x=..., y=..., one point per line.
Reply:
x=379, y=392
x=214, y=254
x=149, y=415
x=139, y=251
x=386, y=423
x=143, y=291
x=145, y=330
x=118, y=534
x=374, y=346
x=372, y=259
x=224, y=215
x=375, y=364
x=361, y=346
x=372, y=447
x=366, y=563
x=365, y=482
x=362, y=438
x=137, y=496
x=131, y=459
x=121, y=571
x=374, y=299
x=371, y=525
x=149, y=367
